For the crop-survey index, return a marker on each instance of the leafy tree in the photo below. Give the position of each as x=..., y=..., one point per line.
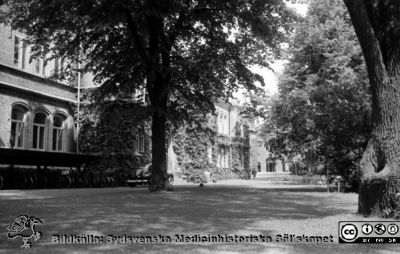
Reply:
x=121, y=152
x=377, y=27
x=323, y=112
x=183, y=53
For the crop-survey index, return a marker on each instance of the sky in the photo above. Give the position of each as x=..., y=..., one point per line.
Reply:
x=270, y=77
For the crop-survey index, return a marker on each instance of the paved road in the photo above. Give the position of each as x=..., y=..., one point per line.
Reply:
x=228, y=208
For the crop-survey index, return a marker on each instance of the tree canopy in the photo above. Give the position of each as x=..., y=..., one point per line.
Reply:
x=184, y=54
x=323, y=110
x=204, y=46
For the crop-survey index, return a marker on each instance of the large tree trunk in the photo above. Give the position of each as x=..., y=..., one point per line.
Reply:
x=158, y=78
x=158, y=100
x=379, y=183
x=159, y=172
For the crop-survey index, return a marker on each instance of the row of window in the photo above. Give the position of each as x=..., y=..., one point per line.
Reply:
x=222, y=121
x=22, y=54
x=222, y=156
x=43, y=130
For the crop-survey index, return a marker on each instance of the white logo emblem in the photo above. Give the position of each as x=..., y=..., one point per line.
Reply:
x=367, y=229
x=392, y=229
x=380, y=229
x=349, y=232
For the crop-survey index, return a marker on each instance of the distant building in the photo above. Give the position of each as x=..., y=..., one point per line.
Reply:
x=228, y=150
x=267, y=161
x=232, y=126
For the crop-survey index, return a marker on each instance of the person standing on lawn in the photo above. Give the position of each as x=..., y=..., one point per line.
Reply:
x=254, y=173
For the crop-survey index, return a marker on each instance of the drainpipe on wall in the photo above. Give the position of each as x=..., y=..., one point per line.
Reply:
x=79, y=102
x=229, y=134
x=229, y=121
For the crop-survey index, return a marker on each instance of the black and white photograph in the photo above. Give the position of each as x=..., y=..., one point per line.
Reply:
x=199, y=126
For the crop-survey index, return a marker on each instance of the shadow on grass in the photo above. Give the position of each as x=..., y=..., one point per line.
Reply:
x=188, y=210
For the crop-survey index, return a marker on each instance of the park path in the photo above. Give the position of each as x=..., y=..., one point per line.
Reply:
x=234, y=207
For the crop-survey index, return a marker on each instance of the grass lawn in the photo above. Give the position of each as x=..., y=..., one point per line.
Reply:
x=228, y=208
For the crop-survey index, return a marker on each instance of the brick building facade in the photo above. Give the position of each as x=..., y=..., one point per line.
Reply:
x=35, y=113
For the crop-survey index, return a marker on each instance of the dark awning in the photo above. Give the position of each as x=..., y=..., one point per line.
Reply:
x=41, y=158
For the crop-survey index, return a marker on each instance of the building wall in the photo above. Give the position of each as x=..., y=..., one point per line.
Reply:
x=227, y=149
x=228, y=120
x=33, y=91
x=262, y=154
x=172, y=164
x=46, y=69
x=264, y=157
x=236, y=123
x=222, y=118
x=6, y=42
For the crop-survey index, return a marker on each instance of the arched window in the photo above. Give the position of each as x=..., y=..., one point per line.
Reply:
x=39, y=128
x=18, y=119
x=140, y=140
x=58, y=133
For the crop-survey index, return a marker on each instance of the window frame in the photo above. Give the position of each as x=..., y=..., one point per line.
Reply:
x=39, y=126
x=22, y=55
x=22, y=127
x=17, y=51
x=139, y=141
x=59, y=134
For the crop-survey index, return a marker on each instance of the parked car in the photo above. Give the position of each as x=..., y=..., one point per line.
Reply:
x=142, y=176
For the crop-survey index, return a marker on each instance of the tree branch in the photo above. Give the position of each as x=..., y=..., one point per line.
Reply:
x=367, y=37
x=182, y=18
x=370, y=46
x=178, y=25
x=136, y=37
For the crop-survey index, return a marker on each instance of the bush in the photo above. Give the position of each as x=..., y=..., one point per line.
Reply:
x=194, y=172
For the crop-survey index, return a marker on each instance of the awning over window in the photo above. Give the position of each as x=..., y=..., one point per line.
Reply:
x=40, y=158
